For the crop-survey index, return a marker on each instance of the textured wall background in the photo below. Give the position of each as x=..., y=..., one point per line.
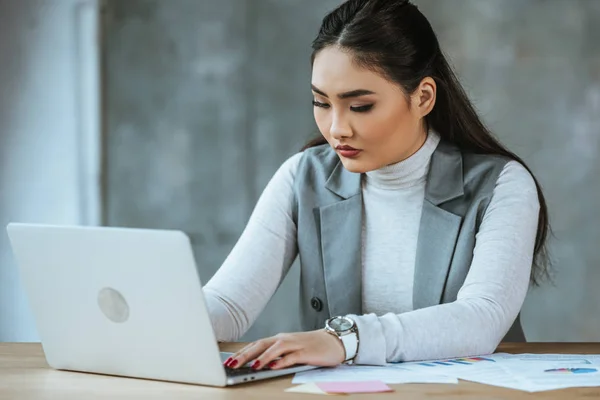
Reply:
x=205, y=99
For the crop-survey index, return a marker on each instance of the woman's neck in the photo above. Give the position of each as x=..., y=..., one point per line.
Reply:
x=408, y=172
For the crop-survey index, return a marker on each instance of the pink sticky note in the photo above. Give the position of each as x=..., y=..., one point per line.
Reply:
x=355, y=387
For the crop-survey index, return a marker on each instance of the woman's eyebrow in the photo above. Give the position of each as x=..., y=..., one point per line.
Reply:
x=345, y=95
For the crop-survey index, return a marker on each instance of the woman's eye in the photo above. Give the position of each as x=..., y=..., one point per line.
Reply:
x=362, y=108
x=318, y=104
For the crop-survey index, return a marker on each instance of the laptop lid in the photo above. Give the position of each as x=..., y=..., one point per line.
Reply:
x=118, y=301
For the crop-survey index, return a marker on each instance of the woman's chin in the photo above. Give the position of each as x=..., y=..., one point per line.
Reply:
x=355, y=165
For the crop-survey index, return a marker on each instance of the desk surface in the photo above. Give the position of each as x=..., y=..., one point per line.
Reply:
x=24, y=375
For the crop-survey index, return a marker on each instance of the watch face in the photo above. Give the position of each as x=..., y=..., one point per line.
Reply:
x=340, y=324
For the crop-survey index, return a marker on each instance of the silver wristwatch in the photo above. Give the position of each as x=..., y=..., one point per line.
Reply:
x=346, y=331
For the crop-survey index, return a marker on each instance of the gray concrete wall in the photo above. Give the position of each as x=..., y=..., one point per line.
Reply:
x=205, y=99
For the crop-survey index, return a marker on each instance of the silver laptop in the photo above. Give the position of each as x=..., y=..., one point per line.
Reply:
x=125, y=302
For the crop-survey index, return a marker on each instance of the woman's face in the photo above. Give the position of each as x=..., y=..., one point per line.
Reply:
x=364, y=117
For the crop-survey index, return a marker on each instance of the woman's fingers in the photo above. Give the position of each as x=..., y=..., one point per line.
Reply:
x=234, y=359
x=282, y=346
x=248, y=353
x=288, y=360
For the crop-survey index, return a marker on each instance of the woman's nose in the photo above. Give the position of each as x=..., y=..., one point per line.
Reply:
x=339, y=128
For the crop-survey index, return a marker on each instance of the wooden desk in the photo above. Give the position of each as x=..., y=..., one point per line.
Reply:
x=24, y=375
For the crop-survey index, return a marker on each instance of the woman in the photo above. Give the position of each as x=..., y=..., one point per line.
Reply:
x=416, y=230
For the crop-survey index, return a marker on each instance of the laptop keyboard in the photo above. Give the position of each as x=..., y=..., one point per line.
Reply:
x=239, y=371
x=245, y=370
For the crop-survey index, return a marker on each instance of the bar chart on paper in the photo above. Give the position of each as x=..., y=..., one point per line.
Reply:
x=456, y=361
x=571, y=371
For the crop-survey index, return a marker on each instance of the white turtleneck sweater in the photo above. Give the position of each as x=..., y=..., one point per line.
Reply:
x=390, y=330
x=392, y=203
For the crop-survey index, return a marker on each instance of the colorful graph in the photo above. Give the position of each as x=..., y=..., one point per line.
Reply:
x=571, y=370
x=460, y=361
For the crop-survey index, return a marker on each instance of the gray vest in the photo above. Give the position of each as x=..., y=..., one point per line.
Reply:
x=328, y=216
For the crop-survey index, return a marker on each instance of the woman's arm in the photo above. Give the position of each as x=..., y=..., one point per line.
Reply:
x=488, y=302
x=261, y=258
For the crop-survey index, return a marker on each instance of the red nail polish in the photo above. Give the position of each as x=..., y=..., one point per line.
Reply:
x=256, y=364
x=226, y=363
x=272, y=364
x=233, y=364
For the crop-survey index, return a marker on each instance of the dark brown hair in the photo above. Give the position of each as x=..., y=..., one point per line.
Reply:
x=393, y=38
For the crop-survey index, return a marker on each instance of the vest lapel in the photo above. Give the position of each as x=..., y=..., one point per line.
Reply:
x=439, y=228
x=341, y=228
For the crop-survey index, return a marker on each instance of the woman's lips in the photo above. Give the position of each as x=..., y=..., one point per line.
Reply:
x=348, y=151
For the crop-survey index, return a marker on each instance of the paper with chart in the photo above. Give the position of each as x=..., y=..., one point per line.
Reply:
x=528, y=372
x=355, y=373
x=555, y=371
x=485, y=370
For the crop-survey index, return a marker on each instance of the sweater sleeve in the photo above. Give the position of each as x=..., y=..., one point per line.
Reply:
x=490, y=298
x=259, y=261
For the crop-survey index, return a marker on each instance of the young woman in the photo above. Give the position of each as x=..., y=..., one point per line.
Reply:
x=417, y=232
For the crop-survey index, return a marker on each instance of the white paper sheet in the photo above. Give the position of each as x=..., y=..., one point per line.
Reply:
x=484, y=369
x=554, y=371
x=310, y=388
x=456, y=366
x=527, y=372
x=354, y=373
x=495, y=376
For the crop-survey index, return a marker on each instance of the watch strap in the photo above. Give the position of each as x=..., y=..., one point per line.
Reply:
x=350, y=342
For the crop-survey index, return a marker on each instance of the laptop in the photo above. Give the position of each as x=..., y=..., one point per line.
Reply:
x=122, y=301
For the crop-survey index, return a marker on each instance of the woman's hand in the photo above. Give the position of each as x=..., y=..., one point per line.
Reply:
x=317, y=348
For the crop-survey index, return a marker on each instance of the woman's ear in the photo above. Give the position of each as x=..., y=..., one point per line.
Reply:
x=423, y=98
